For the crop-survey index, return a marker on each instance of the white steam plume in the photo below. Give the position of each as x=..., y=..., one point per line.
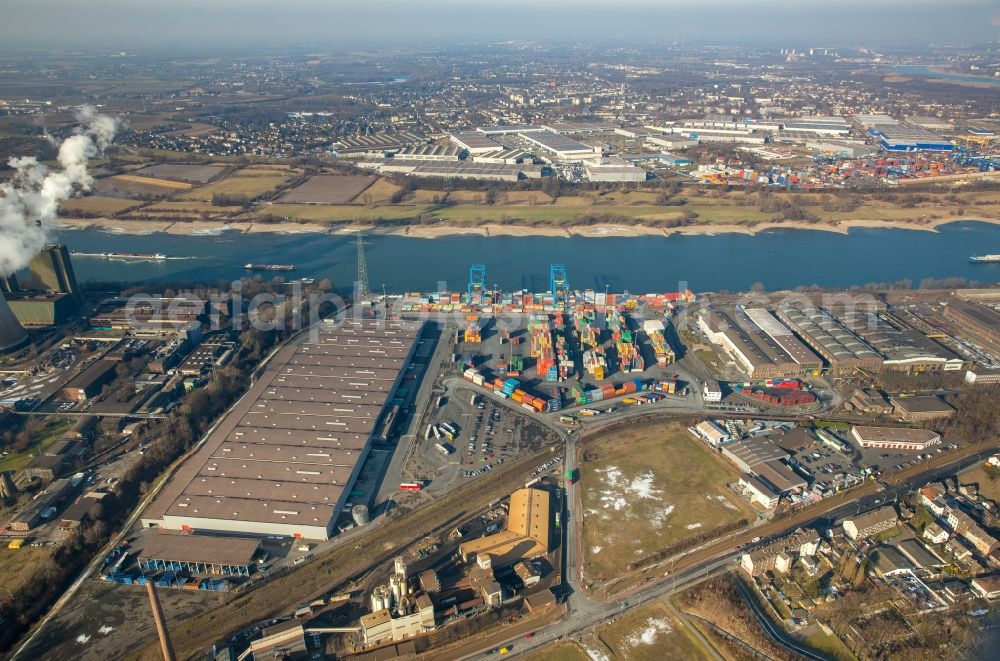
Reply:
x=30, y=200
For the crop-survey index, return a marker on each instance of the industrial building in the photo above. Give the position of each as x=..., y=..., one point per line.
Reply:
x=284, y=461
x=759, y=343
x=580, y=127
x=526, y=534
x=428, y=153
x=510, y=129
x=762, y=458
x=613, y=170
x=12, y=333
x=199, y=554
x=55, y=300
x=475, y=143
x=974, y=318
x=89, y=382
x=561, y=147
x=895, y=438
x=921, y=407
x=377, y=144
x=844, y=351
x=903, y=349
x=908, y=137
x=462, y=170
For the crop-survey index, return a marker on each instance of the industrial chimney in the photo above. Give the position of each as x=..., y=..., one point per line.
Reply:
x=12, y=333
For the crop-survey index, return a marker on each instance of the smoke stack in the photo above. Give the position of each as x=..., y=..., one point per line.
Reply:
x=12, y=333
x=161, y=624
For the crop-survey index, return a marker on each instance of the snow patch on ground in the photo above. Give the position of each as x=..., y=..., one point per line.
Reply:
x=596, y=549
x=726, y=503
x=595, y=655
x=619, y=491
x=105, y=630
x=693, y=526
x=658, y=517
x=648, y=632
x=82, y=638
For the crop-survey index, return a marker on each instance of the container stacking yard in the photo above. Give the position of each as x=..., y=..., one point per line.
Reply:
x=284, y=460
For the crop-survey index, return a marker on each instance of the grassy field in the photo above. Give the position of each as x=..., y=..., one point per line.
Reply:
x=559, y=652
x=98, y=204
x=47, y=434
x=333, y=213
x=18, y=566
x=237, y=186
x=828, y=645
x=649, y=633
x=646, y=488
x=381, y=191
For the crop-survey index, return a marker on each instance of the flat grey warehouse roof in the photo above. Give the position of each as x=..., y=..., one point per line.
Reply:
x=286, y=456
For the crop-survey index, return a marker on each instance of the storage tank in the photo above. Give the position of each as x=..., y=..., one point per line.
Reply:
x=361, y=515
x=378, y=600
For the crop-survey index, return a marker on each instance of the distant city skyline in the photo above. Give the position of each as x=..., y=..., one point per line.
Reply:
x=255, y=22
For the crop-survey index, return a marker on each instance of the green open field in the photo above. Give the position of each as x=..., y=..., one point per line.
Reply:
x=46, y=434
x=647, y=487
x=246, y=186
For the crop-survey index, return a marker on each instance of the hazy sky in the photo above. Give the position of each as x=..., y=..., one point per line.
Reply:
x=779, y=22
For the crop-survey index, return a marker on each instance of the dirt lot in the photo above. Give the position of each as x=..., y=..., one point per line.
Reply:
x=328, y=189
x=194, y=174
x=111, y=621
x=97, y=204
x=647, y=488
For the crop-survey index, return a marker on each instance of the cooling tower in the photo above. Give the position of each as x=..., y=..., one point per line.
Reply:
x=12, y=333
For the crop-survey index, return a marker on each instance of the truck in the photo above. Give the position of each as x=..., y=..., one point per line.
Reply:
x=589, y=412
x=437, y=432
x=443, y=448
x=567, y=420
x=427, y=434
x=572, y=474
x=448, y=428
x=411, y=486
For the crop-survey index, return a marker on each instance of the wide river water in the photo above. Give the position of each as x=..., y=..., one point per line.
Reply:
x=780, y=259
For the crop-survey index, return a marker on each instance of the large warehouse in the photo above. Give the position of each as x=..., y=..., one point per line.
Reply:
x=562, y=147
x=842, y=349
x=758, y=341
x=284, y=461
x=974, y=318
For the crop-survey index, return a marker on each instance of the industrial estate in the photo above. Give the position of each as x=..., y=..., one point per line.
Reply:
x=283, y=467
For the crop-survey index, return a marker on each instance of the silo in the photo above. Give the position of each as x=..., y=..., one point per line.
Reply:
x=361, y=515
x=397, y=585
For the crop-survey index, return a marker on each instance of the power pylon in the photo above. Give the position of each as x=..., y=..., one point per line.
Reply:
x=362, y=292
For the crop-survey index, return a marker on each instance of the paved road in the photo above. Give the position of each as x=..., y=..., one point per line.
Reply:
x=585, y=612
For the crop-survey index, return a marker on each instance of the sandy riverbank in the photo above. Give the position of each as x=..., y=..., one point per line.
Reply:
x=210, y=228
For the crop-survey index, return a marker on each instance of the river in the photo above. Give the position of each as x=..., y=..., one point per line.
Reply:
x=780, y=259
